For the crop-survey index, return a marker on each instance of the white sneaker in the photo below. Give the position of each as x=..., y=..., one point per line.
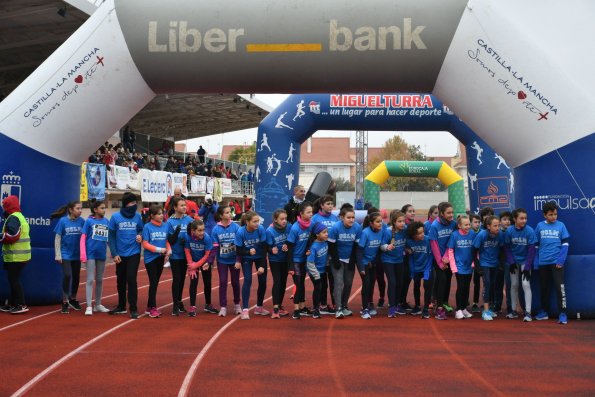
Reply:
x=237, y=309
x=245, y=315
x=100, y=308
x=167, y=264
x=467, y=314
x=223, y=312
x=459, y=315
x=88, y=311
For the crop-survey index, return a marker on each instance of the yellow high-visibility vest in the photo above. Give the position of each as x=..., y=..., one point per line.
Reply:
x=21, y=250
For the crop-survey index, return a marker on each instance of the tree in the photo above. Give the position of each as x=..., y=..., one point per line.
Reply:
x=343, y=185
x=244, y=154
x=397, y=149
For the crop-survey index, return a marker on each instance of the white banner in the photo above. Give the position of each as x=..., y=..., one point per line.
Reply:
x=122, y=177
x=153, y=185
x=181, y=181
x=226, y=185
x=210, y=185
x=198, y=184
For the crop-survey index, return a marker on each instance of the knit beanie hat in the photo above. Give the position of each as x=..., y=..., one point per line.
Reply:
x=128, y=198
x=319, y=227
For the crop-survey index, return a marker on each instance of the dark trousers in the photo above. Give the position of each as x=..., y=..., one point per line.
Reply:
x=394, y=274
x=547, y=273
x=476, y=283
x=440, y=280
x=368, y=284
x=447, y=283
x=316, y=293
x=279, y=271
x=178, y=271
x=498, y=291
x=13, y=271
x=126, y=272
x=299, y=279
x=463, y=283
x=71, y=279
x=489, y=279
x=327, y=284
x=428, y=287
x=379, y=278
x=405, y=281
x=154, y=270
x=247, y=285
x=206, y=281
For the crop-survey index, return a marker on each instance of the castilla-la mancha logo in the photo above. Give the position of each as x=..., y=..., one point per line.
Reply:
x=11, y=186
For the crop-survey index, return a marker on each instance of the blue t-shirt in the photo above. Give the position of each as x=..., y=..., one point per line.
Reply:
x=319, y=255
x=427, y=226
x=420, y=260
x=441, y=233
x=462, y=245
x=249, y=240
x=549, y=240
x=489, y=248
x=97, y=231
x=299, y=237
x=344, y=238
x=199, y=247
x=177, y=250
x=398, y=239
x=70, y=231
x=224, y=237
x=157, y=236
x=126, y=230
x=370, y=241
x=327, y=221
x=276, y=238
x=519, y=241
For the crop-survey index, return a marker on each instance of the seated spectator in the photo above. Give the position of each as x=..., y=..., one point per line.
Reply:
x=96, y=157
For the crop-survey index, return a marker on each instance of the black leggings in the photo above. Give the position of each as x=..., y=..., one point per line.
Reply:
x=440, y=279
x=476, y=283
x=381, y=282
x=417, y=277
x=327, y=284
x=448, y=277
x=368, y=284
x=299, y=279
x=206, y=281
x=463, y=283
x=71, y=278
x=154, y=270
x=279, y=271
x=178, y=271
x=14, y=270
x=126, y=272
x=394, y=275
x=316, y=293
x=405, y=281
x=547, y=273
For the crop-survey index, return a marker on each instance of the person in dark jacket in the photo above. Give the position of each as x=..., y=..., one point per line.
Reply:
x=292, y=206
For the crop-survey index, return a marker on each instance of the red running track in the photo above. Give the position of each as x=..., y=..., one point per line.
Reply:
x=114, y=356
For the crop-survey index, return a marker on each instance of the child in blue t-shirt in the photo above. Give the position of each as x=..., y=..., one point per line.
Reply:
x=460, y=253
x=93, y=247
x=224, y=235
x=197, y=248
x=393, y=249
x=276, y=235
x=343, y=238
x=67, y=250
x=489, y=241
x=250, y=242
x=420, y=267
x=297, y=242
x=325, y=215
x=316, y=264
x=476, y=226
x=552, y=249
x=367, y=252
x=156, y=250
x=519, y=247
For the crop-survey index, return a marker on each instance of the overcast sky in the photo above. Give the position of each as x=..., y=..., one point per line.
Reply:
x=432, y=143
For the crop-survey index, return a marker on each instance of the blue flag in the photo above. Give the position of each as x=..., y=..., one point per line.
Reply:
x=96, y=181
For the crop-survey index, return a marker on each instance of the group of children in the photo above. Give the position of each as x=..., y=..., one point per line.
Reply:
x=326, y=248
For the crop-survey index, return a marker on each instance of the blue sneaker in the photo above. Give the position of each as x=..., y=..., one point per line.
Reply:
x=392, y=312
x=366, y=314
x=527, y=318
x=486, y=315
x=372, y=311
x=563, y=318
x=492, y=314
x=425, y=314
x=400, y=310
x=542, y=316
x=416, y=311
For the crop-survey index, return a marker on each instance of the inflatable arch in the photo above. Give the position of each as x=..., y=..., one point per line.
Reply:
x=498, y=65
x=431, y=169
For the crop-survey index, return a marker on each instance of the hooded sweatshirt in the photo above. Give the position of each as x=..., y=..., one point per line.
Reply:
x=12, y=228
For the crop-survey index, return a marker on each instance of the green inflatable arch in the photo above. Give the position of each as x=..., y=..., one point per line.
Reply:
x=430, y=169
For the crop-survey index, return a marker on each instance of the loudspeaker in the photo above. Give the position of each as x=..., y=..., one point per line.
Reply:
x=323, y=184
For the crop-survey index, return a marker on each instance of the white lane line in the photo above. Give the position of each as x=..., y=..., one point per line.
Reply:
x=27, y=386
x=192, y=370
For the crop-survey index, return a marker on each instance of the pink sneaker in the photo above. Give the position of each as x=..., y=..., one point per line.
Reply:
x=154, y=313
x=245, y=315
x=440, y=313
x=261, y=311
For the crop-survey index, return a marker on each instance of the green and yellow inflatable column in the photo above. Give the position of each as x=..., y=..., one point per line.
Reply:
x=430, y=169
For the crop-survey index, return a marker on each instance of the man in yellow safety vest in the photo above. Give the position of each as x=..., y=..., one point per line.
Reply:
x=16, y=251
